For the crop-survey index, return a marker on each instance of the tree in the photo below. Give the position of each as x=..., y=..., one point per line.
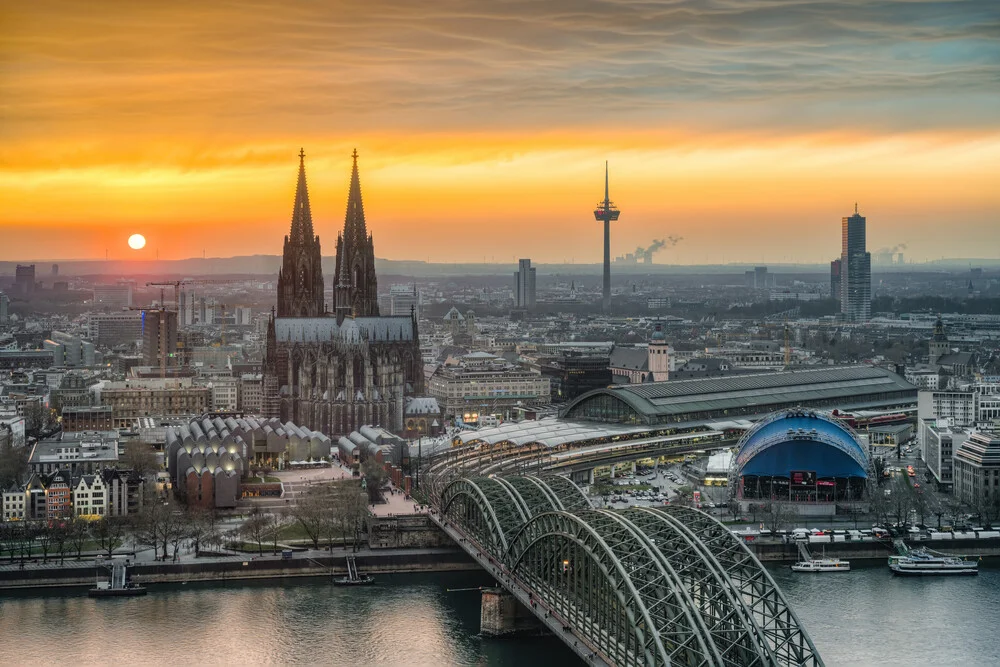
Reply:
x=255, y=528
x=776, y=515
x=202, y=528
x=313, y=512
x=59, y=533
x=43, y=536
x=78, y=534
x=374, y=475
x=348, y=511
x=109, y=532
x=13, y=463
x=901, y=499
x=140, y=458
x=879, y=464
x=275, y=522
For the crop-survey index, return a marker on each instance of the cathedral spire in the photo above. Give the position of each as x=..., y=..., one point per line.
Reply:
x=302, y=224
x=354, y=222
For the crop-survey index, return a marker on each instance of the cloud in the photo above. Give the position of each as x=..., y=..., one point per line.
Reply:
x=271, y=67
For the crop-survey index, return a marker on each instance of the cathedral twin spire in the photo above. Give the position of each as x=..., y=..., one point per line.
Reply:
x=300, y=282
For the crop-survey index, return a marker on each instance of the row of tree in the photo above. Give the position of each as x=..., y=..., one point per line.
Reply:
x=327, y=513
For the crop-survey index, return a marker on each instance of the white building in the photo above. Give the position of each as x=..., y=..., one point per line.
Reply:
x=225, y=393
x=15, y=504
x=959, y=407
x=485, y=384
x=938, y=439
x=90, y=496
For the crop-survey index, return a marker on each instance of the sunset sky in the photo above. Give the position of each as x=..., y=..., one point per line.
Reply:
x=747, y=127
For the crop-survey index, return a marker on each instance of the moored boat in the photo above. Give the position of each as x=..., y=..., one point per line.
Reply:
x=920, y=562
x=822, y=565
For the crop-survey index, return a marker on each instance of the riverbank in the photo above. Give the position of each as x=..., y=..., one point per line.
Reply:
x=777, y=551
x=233, y=568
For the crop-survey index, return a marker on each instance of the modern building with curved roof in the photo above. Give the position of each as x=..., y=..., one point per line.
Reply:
x=800, y=456
x=757, y=394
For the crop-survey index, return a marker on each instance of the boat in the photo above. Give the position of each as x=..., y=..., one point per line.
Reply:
x=353, y=578
x=119, y=584
x=822, y=565
x=919, y=562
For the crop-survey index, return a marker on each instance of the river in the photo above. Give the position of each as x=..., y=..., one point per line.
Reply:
x=864, y=617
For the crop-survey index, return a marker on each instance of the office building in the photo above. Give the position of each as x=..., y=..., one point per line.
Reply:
x=78, y=452
x=4, y=308
x=404, y=299
x=24, y=279
x=856, y=270
x=573, y=373
x=69, y=350
x=835, y=282
x=483, y=384
x=172, y=397
x=115, y=295
x=159, y=338
x=959, y=407
x=759, y=278
x=524, y=284
x=977, y=470
x=937, y=440
x=113, y=329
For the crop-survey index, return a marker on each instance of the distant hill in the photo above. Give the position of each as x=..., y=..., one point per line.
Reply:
x=267, y=265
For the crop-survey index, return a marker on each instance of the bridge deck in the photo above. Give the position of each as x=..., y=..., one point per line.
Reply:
x=559, y=627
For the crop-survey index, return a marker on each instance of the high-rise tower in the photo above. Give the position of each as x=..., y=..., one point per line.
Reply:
x=606, y=212
x=300, y=283
x=355, y=289
x=856, y=270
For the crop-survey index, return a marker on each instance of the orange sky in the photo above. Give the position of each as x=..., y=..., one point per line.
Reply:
x=483, y=128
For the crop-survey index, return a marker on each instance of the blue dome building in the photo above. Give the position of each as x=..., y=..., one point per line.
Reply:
x=800, y=456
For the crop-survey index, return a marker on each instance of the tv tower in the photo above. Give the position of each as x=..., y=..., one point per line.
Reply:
x=606, y=211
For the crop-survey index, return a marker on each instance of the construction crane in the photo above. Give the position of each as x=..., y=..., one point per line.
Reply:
x=177, y=285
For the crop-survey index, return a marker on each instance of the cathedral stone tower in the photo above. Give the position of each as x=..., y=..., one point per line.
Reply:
x=355, y=285
x=300, y=283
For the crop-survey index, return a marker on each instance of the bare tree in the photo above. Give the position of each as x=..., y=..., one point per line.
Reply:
x=59, y=534
x=13, y=464
x=349, y=511
x=78, y=534
x=255, y=528
x=140, y=457
x=43, y=537
x=777, y=514
x=109, y=532
x=202, y=528
x=313, y=512
x=374, y=474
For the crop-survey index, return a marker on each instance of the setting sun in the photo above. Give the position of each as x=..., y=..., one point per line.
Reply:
x=137, y=242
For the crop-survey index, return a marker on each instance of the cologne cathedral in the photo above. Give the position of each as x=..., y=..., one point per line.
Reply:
x=335, y=369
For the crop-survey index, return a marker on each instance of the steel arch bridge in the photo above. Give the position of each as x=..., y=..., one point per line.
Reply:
x=643, y=586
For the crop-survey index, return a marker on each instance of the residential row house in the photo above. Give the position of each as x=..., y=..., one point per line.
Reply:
x=58, y=495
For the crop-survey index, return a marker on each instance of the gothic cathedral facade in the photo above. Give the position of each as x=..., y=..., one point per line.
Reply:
x=335, y=370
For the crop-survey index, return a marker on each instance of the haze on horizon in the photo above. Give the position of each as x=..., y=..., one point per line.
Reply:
x=747, y=127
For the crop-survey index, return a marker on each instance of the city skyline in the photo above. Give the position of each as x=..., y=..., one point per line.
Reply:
x=733, y=127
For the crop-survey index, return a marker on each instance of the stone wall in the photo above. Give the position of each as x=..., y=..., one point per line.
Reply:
x=405, y=532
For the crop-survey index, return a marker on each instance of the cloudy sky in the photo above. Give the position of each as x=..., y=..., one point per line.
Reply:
x=747, y=127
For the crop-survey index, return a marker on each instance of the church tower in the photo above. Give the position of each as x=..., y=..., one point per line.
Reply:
x=938, y=345
x=354, y=288
x=300, y=283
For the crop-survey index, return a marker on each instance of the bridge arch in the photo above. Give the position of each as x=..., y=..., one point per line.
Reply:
x=588, y=581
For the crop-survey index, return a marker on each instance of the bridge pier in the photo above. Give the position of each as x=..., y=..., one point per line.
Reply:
x=498, y=612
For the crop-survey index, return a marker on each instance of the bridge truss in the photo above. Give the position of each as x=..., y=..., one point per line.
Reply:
x=644, y=586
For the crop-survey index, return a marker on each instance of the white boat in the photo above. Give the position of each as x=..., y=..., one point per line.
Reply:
x=822, y=565
x=921, y=562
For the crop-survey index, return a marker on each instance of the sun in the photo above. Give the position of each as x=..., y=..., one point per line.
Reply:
x=137, y=242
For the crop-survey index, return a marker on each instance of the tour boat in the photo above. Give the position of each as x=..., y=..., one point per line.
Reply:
x=822, y=565
x=921, y=562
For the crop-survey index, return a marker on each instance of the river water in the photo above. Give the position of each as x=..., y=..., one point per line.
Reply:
x=865, y=617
